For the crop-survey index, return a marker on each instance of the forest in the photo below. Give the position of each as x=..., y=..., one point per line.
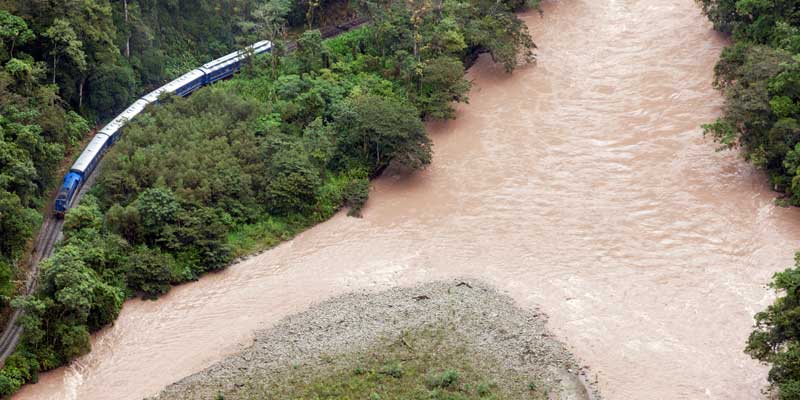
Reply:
x=759, y=75
x=66, y=66
x=236, y=167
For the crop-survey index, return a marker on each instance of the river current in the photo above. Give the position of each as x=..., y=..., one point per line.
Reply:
x=581, y=185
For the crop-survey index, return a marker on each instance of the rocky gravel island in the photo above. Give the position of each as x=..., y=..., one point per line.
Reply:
x=456, y=339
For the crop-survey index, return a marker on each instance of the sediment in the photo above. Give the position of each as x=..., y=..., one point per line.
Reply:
x=327, y=335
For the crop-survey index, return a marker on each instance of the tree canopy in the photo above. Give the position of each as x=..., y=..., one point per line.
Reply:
x=242, y=165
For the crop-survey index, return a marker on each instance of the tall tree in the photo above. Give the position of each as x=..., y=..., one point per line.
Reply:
x=64, y=42
x=13, y=31
x=270, y=20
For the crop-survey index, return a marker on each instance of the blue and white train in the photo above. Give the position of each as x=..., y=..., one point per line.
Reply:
x=211, y=72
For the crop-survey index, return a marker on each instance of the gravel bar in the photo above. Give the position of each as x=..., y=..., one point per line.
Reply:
x=490, y=322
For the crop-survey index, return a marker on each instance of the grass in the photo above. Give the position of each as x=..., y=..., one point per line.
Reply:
x=425, y=365
x=262, y=235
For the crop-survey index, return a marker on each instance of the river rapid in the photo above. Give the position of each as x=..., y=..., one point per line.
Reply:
x=581, y=185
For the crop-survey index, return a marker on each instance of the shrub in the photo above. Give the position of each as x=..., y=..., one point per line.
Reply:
x=395, y=370
x=444, y=380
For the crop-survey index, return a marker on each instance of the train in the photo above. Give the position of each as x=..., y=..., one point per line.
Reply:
x=184, y=85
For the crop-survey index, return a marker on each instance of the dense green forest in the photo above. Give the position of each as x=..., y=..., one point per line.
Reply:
x=68, y=65
x=759, y=74
x=251, y=161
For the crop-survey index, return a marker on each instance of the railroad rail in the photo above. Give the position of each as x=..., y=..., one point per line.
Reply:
x=51, y=231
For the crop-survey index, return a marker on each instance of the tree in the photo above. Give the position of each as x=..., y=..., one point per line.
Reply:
x=112, y=87
x=125, y=221
x=148, y=271
x=105, y=307
x=442, y=84
x=385, y=130
x=16, y=222
x=6, y=285
x=64, y=42
x=760, y=77
x=312, y=7
x=310, y=52
x=292, y=180
x=157, y=209
x=270, y=20
x=86, y=215
x=13, y=31
x=776, y=338
x=205, y=230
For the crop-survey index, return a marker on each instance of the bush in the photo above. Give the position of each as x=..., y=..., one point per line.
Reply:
x=148, y=271
x=395, y=370
x=443, y=380
x=8, y=385
x=355, y=195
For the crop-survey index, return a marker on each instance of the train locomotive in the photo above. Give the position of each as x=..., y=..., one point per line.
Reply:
x=184, y=85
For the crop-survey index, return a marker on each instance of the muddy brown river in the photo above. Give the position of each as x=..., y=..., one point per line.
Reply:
x=581, y=185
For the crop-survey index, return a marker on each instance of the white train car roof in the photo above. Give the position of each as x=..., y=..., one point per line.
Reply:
x=257, y=48
x=120, y=120
x=221, y=65
x=174, y=85
x=90, y=152
x=213, y=63
x=262, y=46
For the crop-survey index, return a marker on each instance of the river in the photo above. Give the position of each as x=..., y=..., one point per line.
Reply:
x=581, y=185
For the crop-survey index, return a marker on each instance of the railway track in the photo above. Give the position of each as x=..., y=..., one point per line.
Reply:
x=44, y=245
x=45, y=242
x=51, y=233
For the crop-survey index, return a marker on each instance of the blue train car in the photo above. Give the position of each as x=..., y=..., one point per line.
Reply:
x=72, y=182
x=81, y=169
x=222, y=71
x=114, y=128
x=182, y=86
x=220, y=68
x=229, y=64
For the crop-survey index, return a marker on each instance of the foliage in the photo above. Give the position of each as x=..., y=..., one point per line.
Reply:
x=760, y=77
x=235, y=167
x=776, y=338
x=35, y=131
x=92, y=57
x=759, y=74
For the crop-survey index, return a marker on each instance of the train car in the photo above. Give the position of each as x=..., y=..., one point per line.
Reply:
x=114, y=128
x=228, y=65
x=262, y=47
x=72, y=182
x=91, y=155
x=220, y=68
x=182, y=86
x=81, y=169
x=257, y=48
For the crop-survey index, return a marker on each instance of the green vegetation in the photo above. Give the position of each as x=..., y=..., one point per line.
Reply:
x=35, y=132
x=250, y=162
x=759, y=75
x=66, y=65
x=422, y=365
x=776, y=339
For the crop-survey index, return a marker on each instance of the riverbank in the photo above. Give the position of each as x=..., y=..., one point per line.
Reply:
x=582, y=185
x=458, y=326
